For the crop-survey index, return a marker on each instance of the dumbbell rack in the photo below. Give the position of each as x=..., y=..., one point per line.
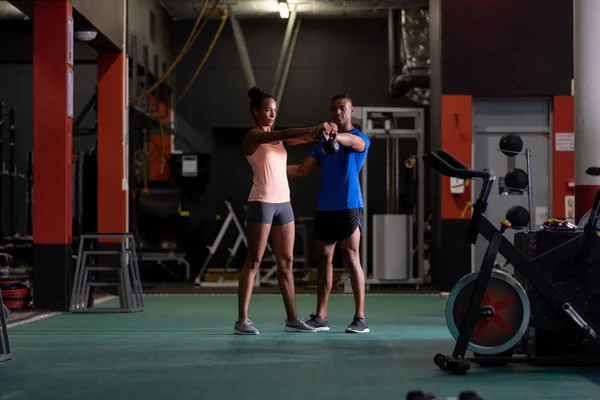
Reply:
x=6, y=260
x=507, y=190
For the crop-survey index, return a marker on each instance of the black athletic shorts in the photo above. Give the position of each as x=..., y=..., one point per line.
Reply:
x=337, y=225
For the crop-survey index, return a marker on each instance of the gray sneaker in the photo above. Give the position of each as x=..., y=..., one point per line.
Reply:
x=359, y=325
x=319, y=324
x=298, y=325
x=245, y=327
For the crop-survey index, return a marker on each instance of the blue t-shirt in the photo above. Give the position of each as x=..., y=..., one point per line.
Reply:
x=340, y=180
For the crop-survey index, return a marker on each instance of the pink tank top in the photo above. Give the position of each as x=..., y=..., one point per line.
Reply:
x=270, y=182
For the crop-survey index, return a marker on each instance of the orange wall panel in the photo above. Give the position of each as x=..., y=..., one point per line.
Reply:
x=457, y=139
x=563, y=162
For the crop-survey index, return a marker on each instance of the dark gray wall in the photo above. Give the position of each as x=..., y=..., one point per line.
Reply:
x=138, y=25
x=332, y=56
x=16, y=45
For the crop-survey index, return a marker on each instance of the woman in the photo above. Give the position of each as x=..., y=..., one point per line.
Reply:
x=269, y=209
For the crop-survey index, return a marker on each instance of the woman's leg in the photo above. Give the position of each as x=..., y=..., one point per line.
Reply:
x=258, y=234
x=283, y=246
x=282, y=238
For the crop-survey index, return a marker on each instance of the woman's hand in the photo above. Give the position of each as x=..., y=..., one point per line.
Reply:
x=329, y=127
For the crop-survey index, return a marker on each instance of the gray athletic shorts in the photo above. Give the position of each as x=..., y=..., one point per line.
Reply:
x=275, y=214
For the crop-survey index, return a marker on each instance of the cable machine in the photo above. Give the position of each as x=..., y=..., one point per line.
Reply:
x=395, y=258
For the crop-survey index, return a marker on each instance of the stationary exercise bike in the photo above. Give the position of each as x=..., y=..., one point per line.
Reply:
x=489, y=311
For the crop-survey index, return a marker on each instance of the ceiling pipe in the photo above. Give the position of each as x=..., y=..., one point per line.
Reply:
x=392, y=53
x=413, y=81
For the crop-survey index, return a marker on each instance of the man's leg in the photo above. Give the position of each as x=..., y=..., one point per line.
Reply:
x=324, y=257
x=324, y=247
x=351, y=254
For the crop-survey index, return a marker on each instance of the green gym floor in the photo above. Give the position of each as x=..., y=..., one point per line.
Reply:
x=182, y=347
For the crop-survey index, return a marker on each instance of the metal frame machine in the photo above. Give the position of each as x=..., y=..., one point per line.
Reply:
x=393, y=255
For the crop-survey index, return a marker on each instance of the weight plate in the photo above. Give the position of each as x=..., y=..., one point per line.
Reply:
x=511, y=312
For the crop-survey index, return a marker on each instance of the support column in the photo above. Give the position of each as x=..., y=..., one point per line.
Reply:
x=113, y=148
x=587, y=102
x=238, y=35
x=284, y=50
x=52, y=146
x=289, y=57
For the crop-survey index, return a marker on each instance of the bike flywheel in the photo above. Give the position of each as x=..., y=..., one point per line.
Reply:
x=503, y=316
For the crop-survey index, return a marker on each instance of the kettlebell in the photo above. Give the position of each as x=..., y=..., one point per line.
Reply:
x=330, y=146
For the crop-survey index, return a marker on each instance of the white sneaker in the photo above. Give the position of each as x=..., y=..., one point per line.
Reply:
x=298, y=325
x=245, y=327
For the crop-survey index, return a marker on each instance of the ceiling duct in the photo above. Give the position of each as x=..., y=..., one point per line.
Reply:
x=413, y=82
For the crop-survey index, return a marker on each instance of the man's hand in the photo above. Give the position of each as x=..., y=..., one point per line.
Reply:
x=329, y=128
x=332, y=131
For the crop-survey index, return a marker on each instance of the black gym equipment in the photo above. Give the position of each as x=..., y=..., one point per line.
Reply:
x=6, y=260
x=518, y=216
x=10, y=231
x=488, y=312
x=419, y=395
x=517, y=179
x=2, y=173
x=592, y=171
x=511, y=144
x=330, y=146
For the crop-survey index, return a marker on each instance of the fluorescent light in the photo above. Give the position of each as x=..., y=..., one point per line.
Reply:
x=86, y=36
x=284, y=11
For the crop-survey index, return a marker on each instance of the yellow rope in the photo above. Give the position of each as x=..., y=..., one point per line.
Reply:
x=188, y=45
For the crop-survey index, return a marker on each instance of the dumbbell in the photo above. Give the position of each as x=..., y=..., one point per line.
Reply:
x=419, y=395
x=330, y=146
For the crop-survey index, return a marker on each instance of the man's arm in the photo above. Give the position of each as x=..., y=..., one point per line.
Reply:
x=350, y=140
x=308, y=165
x=311, y=138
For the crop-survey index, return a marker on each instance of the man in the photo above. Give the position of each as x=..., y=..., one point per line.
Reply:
x=339, y=213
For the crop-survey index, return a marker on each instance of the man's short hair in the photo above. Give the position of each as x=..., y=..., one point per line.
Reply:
x=341, y=96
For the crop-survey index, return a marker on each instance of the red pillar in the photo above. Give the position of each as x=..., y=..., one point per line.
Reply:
x=52, y=144
x=113, y=192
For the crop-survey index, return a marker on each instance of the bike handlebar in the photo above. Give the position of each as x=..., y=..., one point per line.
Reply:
x=447, y=165
x=593, y=171
x=451, y=160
